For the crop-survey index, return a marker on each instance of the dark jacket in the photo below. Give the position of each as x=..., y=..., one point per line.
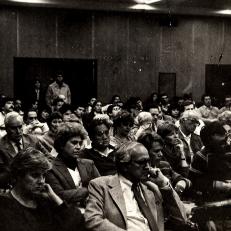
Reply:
x=62, y=183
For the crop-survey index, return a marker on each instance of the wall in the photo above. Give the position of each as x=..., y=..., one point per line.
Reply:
x=130, y=48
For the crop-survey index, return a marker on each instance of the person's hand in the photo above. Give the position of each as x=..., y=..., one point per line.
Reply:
x=157, y=177
x=48, y=193
x=179, y=144
x=180, y=186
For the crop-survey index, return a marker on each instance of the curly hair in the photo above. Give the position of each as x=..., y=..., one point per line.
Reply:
x=66, y=131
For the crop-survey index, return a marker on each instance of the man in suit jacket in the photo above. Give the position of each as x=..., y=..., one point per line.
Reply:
x=113, y=203
x=12, y=143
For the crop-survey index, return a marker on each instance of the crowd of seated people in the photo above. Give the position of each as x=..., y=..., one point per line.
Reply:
x=116, y=166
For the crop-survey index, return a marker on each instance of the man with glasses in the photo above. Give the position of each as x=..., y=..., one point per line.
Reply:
x=133, y=199
x=192, y=142
x=102, y=153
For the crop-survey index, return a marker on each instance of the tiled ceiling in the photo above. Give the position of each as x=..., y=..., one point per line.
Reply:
x=191, y=7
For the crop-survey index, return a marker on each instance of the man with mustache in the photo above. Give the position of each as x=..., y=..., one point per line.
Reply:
x=7, y=105
x=102, y=153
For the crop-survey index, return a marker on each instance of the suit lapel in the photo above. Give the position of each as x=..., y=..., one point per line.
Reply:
x=64, y=173
x=82, y=171
x=116, y=193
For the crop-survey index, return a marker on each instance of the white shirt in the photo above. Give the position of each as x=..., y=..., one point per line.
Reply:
x=76, y=177
x=135, y=219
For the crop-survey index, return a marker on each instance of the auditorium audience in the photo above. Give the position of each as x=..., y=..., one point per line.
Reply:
x=181, y=140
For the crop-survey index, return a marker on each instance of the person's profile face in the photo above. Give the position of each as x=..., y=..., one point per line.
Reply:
x=138, y=168
x=155, y=153
x=32, y=183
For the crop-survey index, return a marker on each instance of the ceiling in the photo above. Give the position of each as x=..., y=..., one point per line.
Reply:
x=185, y=7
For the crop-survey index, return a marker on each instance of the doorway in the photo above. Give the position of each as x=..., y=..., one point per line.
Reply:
x=79, y=74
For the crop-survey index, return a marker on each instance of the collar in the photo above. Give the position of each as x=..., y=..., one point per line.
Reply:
x=124, y=180
x=107, y=151
x=70, y=162
x=185, y=137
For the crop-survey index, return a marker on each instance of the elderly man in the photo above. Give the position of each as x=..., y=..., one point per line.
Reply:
x=192, y=142
x=130, y=200
x=56, y=89
x=13, y=142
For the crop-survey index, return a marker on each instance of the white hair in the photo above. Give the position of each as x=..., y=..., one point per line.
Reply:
x=12, y=116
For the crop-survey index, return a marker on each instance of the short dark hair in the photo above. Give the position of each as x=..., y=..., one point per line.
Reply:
x=123, y=117
x=66, y=131
x=52, y=116
x=65, y=107
x=209, y=130
x=148, y=138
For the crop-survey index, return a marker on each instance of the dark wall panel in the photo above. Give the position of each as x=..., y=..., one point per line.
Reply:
x=74, y=34
x=111, y=33
x=142, y=53
x=8, y=49
x=37, y=33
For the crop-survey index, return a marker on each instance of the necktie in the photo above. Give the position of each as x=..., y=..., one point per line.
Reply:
x=18, y=144
x=145, y=210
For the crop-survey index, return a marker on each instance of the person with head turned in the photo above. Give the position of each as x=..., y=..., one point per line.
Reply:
x=32, y=204
x=70, y=175
x=133, y=198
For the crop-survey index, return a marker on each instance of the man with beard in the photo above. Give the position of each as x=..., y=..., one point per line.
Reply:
x=102, y=153
x=133, y=199
x=58, y=88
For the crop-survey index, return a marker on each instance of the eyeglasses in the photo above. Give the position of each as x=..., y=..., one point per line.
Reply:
x=142, y=163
